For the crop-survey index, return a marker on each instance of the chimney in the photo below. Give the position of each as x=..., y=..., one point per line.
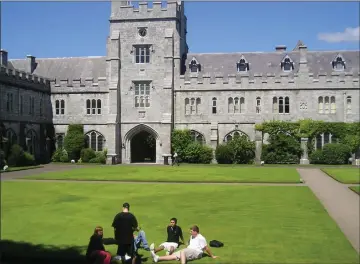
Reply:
x=30, y=64
x=303, y=58
x=280, y=48
x=3, y=57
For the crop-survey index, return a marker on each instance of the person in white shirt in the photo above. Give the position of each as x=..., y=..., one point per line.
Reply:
x=197, y=245
x=175, y=159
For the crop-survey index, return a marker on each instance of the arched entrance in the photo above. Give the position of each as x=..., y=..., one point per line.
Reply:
x=143, y=147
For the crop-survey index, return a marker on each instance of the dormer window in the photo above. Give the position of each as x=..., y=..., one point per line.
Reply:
x=194, y=65
x=242, y=65
x=287, y=64
x=338, y=63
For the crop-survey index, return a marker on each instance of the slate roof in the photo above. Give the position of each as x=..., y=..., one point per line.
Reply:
x=65, y=68
x=269, y=62
x=211, y=63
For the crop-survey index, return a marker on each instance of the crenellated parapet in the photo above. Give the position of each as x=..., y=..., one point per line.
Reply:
x=121, y=10
x=269, y=81
x=14, y=76
x=79, y=85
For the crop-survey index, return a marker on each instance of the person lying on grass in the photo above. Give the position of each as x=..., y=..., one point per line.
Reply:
x=95, y=252
x=197, y=245
x=174, y=234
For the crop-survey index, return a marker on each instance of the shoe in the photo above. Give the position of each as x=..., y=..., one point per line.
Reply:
x=154, y=256
x=127, y=257
x=152, y=247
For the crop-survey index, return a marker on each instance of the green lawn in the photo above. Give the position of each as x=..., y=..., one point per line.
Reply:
x=258, y=224
x=355, y=189
x=184, y=173
x=344, y=175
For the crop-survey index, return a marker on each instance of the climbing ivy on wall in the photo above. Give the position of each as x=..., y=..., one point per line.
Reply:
x=347, y=133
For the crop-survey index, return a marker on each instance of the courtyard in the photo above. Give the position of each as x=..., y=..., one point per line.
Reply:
x=261, y=214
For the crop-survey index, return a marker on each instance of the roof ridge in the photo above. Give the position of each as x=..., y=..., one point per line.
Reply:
x=59, y=58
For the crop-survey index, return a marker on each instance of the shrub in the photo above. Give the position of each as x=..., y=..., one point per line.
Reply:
x=223, y=154
x=197, y=153
x=2, y=159
x=17, y=156
x=352, y=141
x=242, y=150
x=316, y=157
x=64, y=156
x=335, y=154
x=74, y=141
x=238, y=151
x=180, y=139
x=57, y=155
x=87, y=154
x=29, y=159
x=100, y=157
x=282, y=149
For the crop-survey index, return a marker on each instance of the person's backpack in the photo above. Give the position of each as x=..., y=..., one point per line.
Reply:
x=216, y=243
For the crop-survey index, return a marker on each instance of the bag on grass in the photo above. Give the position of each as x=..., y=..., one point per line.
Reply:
x=216, y=243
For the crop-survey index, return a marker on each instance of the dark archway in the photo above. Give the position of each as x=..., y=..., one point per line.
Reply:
x=143, y=147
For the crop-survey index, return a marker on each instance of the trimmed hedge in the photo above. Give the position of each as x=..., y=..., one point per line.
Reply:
x=74, y=141
x=282, y=149
x=18, y=157
x=189, y=151
x=334, y=154
x=238, y=151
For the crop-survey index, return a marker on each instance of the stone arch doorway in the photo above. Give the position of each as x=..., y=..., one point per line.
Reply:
x=143, y=147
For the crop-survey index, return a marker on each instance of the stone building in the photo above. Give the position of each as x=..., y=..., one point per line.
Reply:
x=26, y=112
x=148, y=84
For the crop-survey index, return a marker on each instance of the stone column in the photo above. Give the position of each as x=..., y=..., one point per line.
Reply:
x=258, y=146
x=214, y=138
x=304, y=158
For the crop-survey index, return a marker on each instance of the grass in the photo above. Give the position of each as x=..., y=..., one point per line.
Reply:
x=21, y=168
x=355, y=189
x=177, y=174
x=257, y=224
x=344, y=175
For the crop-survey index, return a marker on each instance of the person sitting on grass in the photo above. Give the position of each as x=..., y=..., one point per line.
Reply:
x=197, y=245
x=174, y=234
x=95, y=252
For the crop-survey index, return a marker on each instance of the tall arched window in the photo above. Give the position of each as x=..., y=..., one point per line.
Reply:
x=275, y=105
x=258, y=105
x=197, y=137
x=332, y=105
x=31, y=142
x=327, y=105
x=187, y=106
x=214, y=107
x=11, y=137
x=348, y=105
x=95, y=140
x=321, y=105
x=234, y=134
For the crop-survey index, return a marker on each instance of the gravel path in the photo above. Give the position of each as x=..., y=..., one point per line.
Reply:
x=342, y=204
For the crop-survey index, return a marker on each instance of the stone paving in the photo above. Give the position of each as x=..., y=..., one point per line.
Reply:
x=341, y=203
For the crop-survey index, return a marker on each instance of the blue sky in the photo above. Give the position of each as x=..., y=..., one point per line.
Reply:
x=71, y=29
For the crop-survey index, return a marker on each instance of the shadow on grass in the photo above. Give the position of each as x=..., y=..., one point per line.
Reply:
x=16, y=252
x=23, y=252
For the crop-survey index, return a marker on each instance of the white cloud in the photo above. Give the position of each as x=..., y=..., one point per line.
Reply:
x=349, y=34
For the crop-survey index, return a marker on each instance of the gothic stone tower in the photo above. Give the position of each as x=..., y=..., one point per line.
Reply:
x=144, y=53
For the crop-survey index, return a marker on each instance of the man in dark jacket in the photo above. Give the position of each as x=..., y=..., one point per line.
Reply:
x=125, y=223
x=95, y=252
x=174, y=234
